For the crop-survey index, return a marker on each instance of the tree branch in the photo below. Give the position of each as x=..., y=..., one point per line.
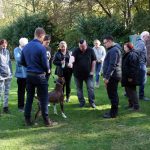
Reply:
x=21, y=6
x=104, y=9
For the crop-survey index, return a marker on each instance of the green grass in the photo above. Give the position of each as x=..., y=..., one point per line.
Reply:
x=84, y=129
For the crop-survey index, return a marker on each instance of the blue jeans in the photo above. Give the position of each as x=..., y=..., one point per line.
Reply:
x=143, y=79
x=97, y=71
x=39, y=82
x=90, y=88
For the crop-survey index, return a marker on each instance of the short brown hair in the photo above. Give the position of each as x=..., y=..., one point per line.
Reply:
x=39, y=31
x=3, y=41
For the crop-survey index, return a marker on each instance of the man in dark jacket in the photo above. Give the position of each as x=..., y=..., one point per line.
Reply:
x=112, y=74
x=35, y=60
x=83, y=69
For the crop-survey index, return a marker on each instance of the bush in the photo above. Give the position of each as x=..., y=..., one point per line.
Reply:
x=141, y=22
x=97, y=27
x=25, y=27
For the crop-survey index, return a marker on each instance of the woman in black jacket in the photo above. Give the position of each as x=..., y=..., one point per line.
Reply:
x=130, y=74
x=63, y=67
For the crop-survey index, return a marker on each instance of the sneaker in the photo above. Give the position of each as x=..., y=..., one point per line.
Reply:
x=67, y=100
x=5, y=110
x=96, y=85
x=93, y=105
x=21, y=110
x=146, y=99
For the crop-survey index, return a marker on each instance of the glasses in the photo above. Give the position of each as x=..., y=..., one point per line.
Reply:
x=105, y=42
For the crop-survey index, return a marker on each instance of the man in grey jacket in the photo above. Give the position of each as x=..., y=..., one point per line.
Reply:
x=141, y=47
x=112, y=74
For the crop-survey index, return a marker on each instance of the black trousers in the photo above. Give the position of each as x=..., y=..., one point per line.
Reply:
x=21, y=92
x=132, y=96
x=67, y=75
x=112, y=88
x=39, y=82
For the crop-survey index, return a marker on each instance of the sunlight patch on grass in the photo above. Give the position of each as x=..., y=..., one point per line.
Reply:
x=135, y=115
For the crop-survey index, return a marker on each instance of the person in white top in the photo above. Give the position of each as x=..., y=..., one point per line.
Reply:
x=100, y=55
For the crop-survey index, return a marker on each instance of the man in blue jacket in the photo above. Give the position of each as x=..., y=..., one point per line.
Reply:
x=35, y=60
x=112, y=74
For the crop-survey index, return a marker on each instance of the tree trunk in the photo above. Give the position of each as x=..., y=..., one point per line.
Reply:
x=33, y=5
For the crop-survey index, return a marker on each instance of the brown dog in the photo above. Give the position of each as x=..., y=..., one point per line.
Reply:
x=55, y=96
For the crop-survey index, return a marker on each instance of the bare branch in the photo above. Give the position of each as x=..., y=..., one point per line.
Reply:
x=104, y=9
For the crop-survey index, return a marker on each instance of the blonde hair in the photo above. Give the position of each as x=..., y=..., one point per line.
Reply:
x=63, y=43
x=98, y=41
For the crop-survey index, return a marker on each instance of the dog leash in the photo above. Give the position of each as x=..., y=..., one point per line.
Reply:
x=53, y=77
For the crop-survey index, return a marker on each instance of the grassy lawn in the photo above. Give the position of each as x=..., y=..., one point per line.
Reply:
x=84, y=129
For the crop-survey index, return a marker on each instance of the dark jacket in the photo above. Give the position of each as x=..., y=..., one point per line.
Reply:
x=34, y=57
x=141, y=48
x=58, y=57
x=130, y=68
x=112, y=63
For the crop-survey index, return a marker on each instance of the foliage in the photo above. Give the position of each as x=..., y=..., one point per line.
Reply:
x=141, y=21
x=24, y=27
x=97, y=27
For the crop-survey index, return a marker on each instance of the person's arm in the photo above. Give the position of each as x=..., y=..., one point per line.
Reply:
x=57, y=61
x=45, y=62
x=17, y=56
x=93, y=58
x=22, y=61
x=10, y=64
x=103, y=53
x=93, y=67
x=114, y=56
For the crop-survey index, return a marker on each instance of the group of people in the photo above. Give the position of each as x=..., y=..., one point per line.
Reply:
x=34, y=62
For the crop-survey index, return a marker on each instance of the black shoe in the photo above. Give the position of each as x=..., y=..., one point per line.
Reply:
x=28, y=122
x=5, y=110
x=93, y=105
x=81, y=104
x=109, y=115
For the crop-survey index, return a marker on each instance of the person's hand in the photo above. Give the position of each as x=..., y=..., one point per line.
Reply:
x=106, y=82
x=91, y=74
x=70, y=65
x=62, y=62
x=130, y=80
